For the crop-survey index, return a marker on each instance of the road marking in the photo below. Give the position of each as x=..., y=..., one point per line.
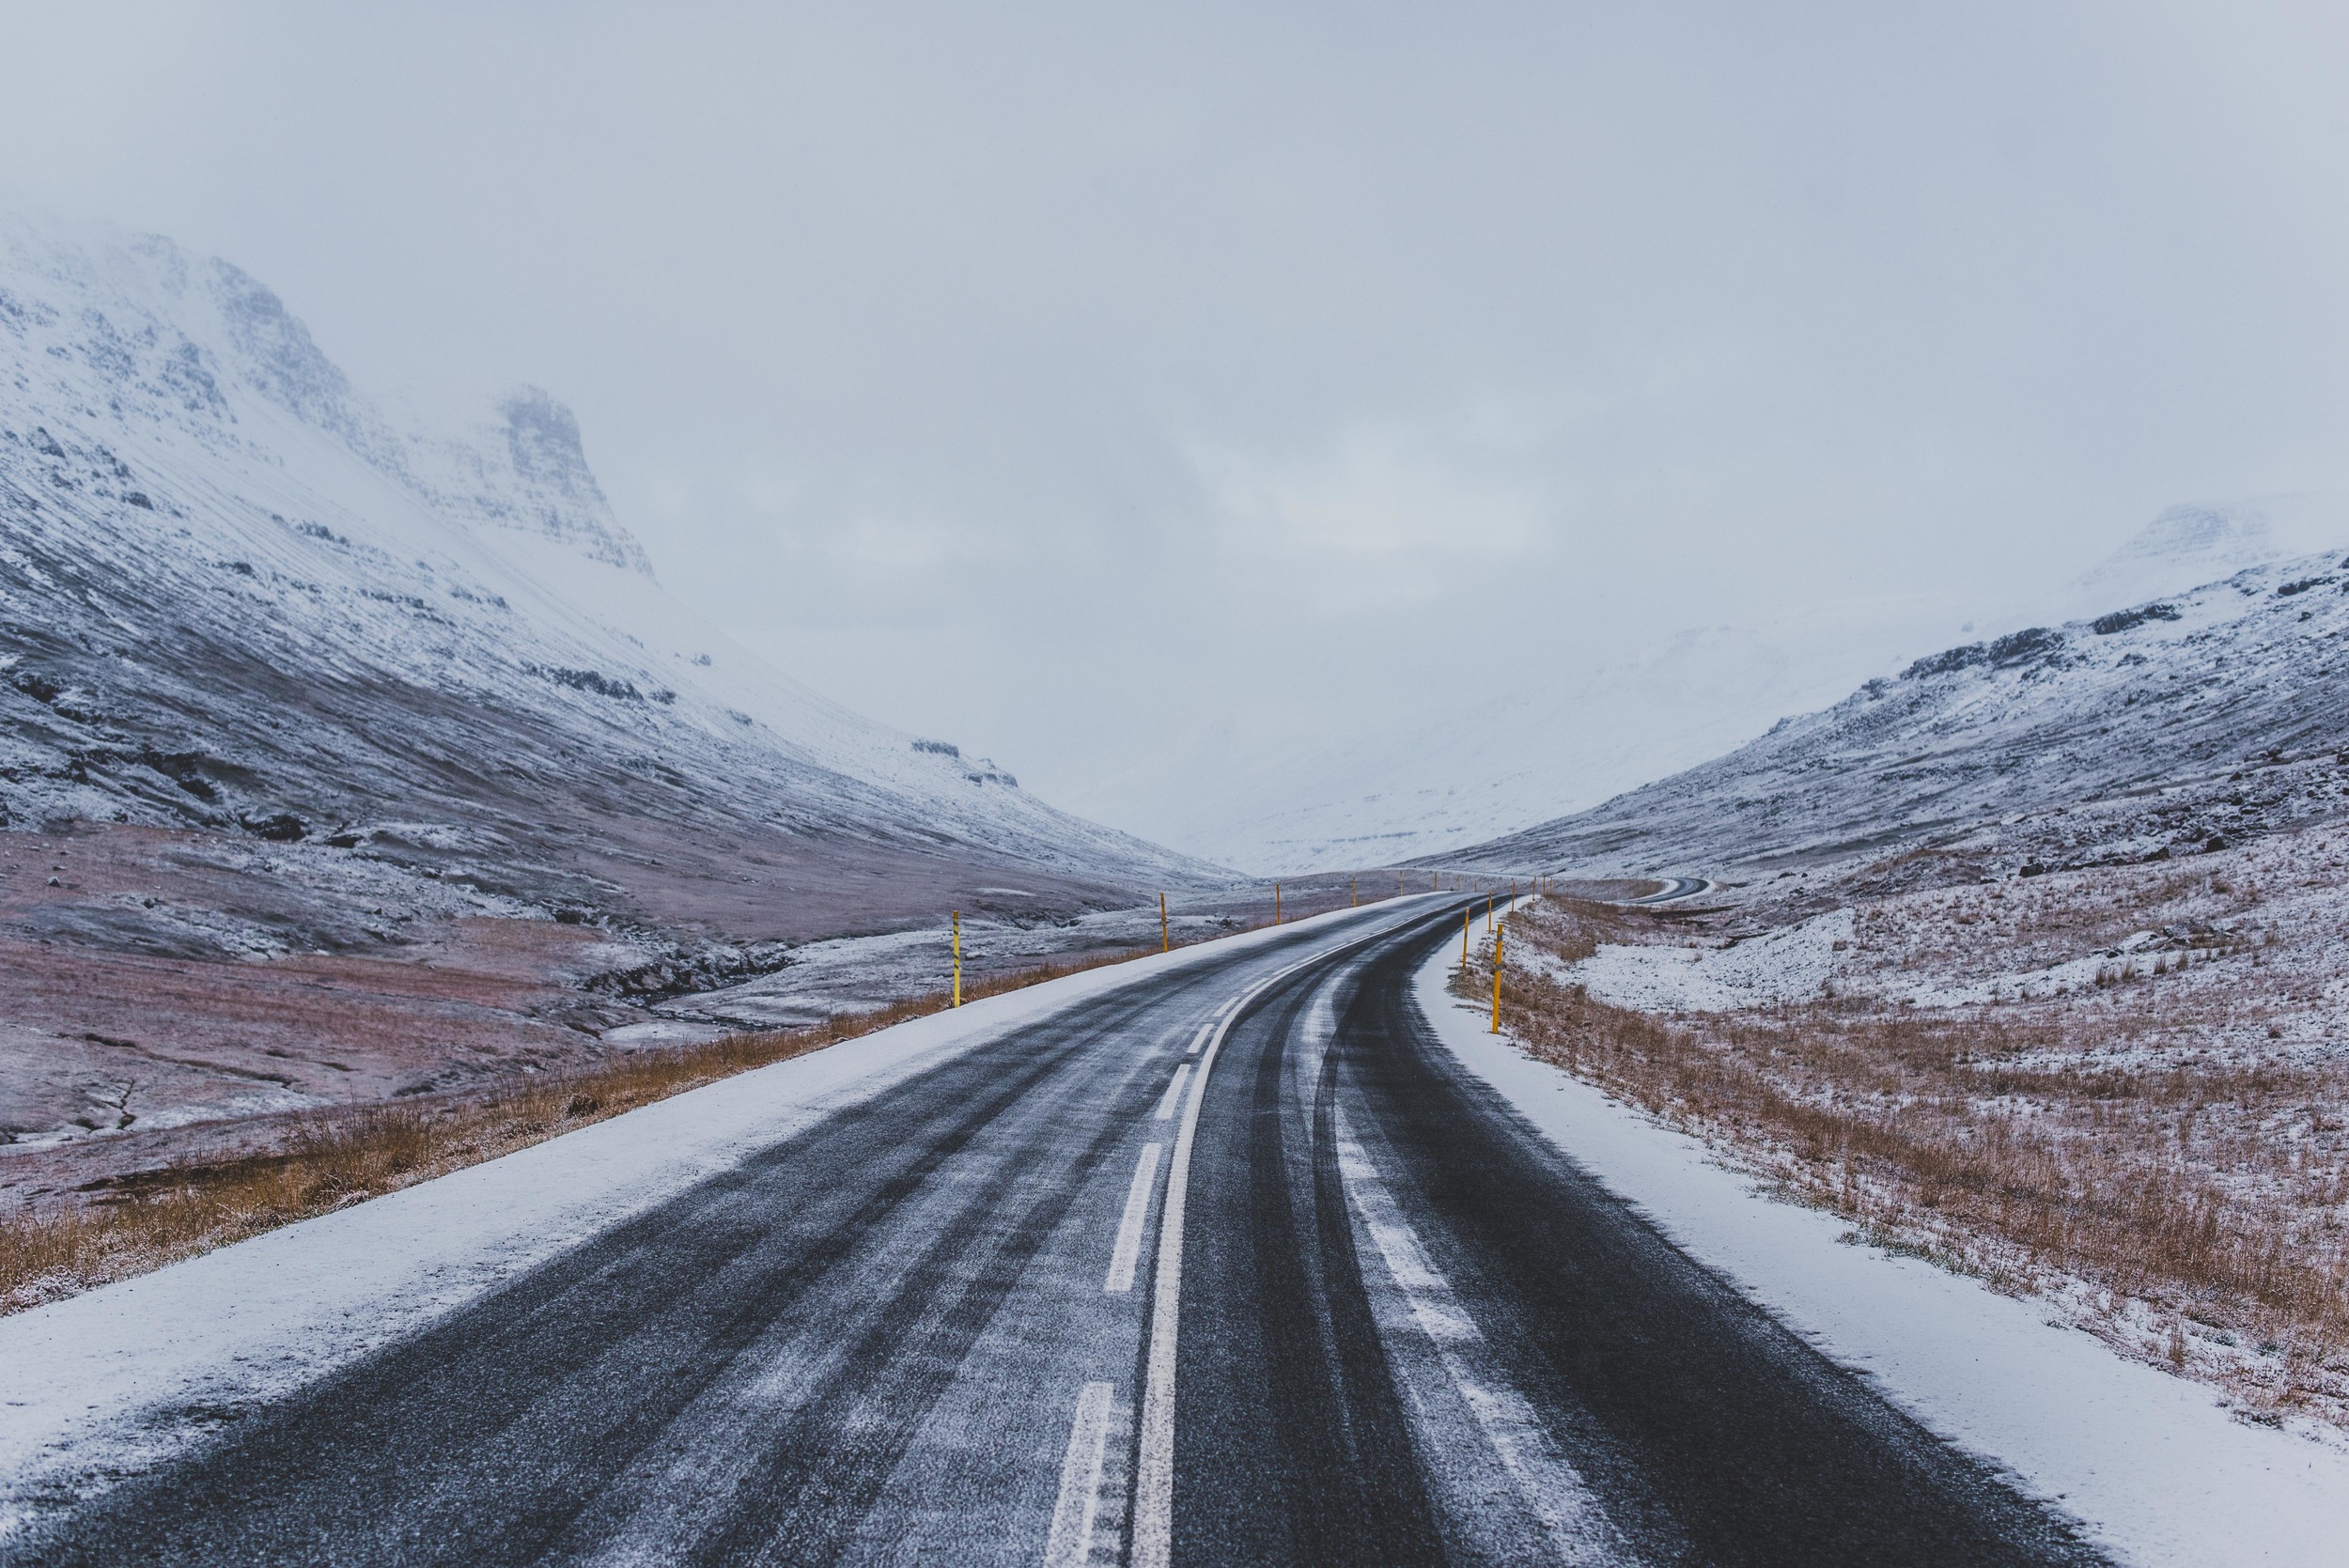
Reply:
x=1128, y=1248
x=1173, y=1092
x=1152, y=1537
x=1549, y=1485
x=1201, y=1038
x=1071, y=1543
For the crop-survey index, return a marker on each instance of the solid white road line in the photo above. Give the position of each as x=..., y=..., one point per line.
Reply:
x=1152, y=1534
x=1173, y=1092
x=1071, y=1543
x=1128, y=1250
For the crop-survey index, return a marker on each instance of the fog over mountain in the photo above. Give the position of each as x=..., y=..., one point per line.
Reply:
x=1220, y=417
x=238, y=599
x=1512, y=748
x=2157, y=728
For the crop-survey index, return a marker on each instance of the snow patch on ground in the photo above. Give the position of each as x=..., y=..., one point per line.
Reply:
x=2153, y=1464
x=1791, y=964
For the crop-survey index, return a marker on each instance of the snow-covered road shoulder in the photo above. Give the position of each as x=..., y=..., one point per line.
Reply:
x=2153, y=1464
x=115, y=1380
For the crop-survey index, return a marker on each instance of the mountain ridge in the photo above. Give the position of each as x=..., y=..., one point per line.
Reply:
x=177, y=451
x=2149, y=716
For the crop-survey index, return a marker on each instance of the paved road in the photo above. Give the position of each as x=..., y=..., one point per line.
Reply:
x=1673, y=889
x=1233, y=1265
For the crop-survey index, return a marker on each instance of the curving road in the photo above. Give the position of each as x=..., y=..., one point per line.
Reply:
x=1233, y=1265
x=1673, y=889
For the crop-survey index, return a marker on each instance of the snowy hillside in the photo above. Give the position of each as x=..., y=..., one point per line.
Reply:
x=1486, y=766
x=1482, y=765
x=235, y=598
x=2141, y=732
x=2200, y=542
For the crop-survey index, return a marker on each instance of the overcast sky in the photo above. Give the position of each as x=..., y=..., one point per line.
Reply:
x=1057, y=378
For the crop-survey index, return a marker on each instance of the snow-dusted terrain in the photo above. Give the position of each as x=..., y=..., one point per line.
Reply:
x=2190, y=545
x=2158, y=1469
x=2146, y=729
x=124, y=1376
x=341, y=759
x=237, y=598
x=1504, y=753
x=1530, y=736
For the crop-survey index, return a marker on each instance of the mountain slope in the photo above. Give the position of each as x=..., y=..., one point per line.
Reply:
x=341, y=761
x=2198, y=542
x=1471, y=765
x=1530, y=732
x=2216, y=710
x=234, y=597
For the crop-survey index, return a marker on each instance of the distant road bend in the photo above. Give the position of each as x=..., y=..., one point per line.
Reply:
x=1233, y=1265
x=1673, y=889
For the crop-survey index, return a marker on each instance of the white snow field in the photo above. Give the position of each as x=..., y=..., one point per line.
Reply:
x=2154, y=1465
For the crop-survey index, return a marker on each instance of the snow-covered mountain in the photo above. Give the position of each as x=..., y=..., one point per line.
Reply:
x=235, y=597
x=2147, y=729
x=1482, y=764
x=1426, y=785
x=2200, y=542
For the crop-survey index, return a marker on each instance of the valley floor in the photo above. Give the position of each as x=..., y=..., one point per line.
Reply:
x=204, y=1037
x=1219, y=1256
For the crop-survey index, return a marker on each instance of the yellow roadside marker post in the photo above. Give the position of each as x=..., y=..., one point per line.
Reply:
x=1276, y=903
x=1164, y=945
x=1464, y=934
x=956, y=917
x=1498, y=934
x=1488, y=911
x=1354, y=894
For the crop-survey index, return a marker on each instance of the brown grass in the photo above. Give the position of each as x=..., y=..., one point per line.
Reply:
x=344, y=1156
x=2190, y=1208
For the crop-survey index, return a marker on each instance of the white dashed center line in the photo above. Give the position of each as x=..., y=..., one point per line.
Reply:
x=1071, y=1543
x=1127, y=1252
x=1173, y=1092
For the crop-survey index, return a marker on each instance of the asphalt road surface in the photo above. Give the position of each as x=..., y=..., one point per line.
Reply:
x=1235, y=1265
